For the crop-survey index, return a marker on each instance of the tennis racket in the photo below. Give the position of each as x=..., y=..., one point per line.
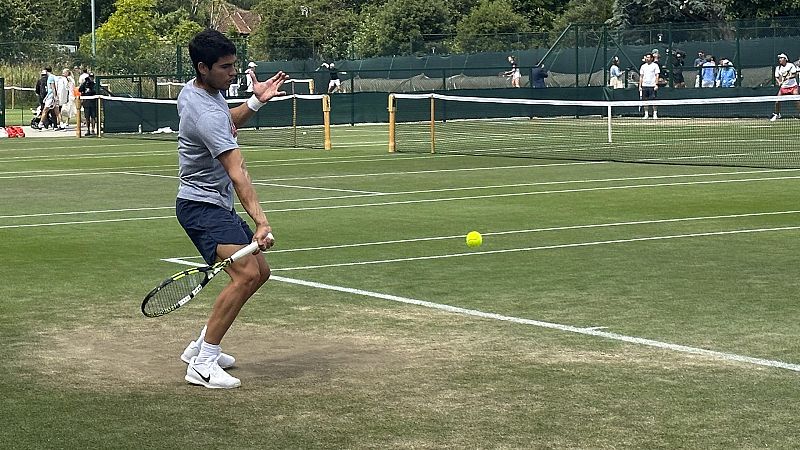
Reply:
x=178, y=289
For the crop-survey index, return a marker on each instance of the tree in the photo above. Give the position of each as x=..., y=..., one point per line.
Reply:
x=489, y=25
x=630, y=13
x=299, y=29
x=580, y=11
x=399, y=27
x=540, y=13
x=127, y=42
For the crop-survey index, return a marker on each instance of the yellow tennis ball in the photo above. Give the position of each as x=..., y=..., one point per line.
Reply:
x=474, y=239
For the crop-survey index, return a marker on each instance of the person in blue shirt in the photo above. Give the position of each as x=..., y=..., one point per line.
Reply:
x=726, y=76
x=708, y=73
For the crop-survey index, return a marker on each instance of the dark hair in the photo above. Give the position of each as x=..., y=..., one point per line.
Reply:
x=208, y=46
x=48, y=68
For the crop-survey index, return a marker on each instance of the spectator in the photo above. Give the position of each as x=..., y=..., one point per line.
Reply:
x=87, y=89
x=698, y=63
x=708, y=72
x=538, y=74
x=50, y=103
x=615, y=74
x=66, y=97
x=678, y=58
x=786, y=77
x=251, y=68
x=648, y=83
x=514, y=73
x=233, y=89
x=41, y=88
x=84, y=74
x=726, y=76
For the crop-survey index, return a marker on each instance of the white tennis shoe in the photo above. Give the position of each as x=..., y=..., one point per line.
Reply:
x=225, y=360
x=775, y=116
x=210, y=375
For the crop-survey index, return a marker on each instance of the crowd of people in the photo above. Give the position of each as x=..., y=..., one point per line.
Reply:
x=57, y=96
x=711, y=73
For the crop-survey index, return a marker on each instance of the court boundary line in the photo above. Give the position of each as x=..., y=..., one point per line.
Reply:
x=595, y=331
x=425, y=191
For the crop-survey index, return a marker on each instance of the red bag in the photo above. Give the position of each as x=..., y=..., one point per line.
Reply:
x=15, y=132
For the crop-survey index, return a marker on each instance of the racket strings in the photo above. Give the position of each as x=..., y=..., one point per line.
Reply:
x=167, y=297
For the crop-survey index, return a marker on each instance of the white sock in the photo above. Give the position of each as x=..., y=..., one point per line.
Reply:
x=202, y=337
x=208, y=353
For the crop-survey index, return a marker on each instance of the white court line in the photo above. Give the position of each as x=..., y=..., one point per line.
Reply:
x=592, y=331
x=587, y=331
x=537, y=248
x=313, y=188
x=252, y=164
x=410, y=202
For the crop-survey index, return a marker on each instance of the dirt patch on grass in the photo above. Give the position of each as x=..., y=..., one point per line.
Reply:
x=120, y=356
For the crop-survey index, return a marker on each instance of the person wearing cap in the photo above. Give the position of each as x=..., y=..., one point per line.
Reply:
x=88, y=89
x=698, y=63
x=335, y=83
x=251, y=70
x=726, y=76
x=786, y=77
x=648, y=83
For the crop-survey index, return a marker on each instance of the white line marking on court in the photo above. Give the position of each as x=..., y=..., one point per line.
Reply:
x=554, y=326
x=409, y=202
x=375, y=194
x=261, y=183
x=537, y=248
x=590, y=331
x=539, y=230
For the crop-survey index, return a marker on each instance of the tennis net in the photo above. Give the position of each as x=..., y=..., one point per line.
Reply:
x=734, y=131
x=293, y=121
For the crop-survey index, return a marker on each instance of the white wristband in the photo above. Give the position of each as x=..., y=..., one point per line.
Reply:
x=254, y=103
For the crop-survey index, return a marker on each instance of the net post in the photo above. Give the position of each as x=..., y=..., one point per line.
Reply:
x=433, y=124
x=608, y=111
x=311, y=86
x=392, y=119
x=78, y=120
x=326, y=118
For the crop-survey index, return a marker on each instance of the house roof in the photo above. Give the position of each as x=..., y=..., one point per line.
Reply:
x=231, y=17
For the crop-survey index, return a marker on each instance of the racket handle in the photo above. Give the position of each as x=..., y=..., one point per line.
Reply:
x=253, y=246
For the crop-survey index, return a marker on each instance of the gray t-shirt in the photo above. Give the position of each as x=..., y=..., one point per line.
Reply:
x=206, y=131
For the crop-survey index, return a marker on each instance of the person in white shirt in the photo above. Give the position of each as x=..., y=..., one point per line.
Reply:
x=786, y=77
x=648, y=83
x=66, y=97
x=251, y=69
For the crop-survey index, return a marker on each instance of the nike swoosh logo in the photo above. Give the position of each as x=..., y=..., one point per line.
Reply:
x=206, y=379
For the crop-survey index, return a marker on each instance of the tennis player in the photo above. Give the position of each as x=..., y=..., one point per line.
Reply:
x=211, y=169
x=514, y=72
x=648, y=83
x=786, y=77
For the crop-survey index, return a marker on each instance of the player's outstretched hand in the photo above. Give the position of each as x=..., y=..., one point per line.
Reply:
x=265, y=90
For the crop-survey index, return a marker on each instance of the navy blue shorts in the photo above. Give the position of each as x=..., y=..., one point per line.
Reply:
x=209, y=225
x=648, y=93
